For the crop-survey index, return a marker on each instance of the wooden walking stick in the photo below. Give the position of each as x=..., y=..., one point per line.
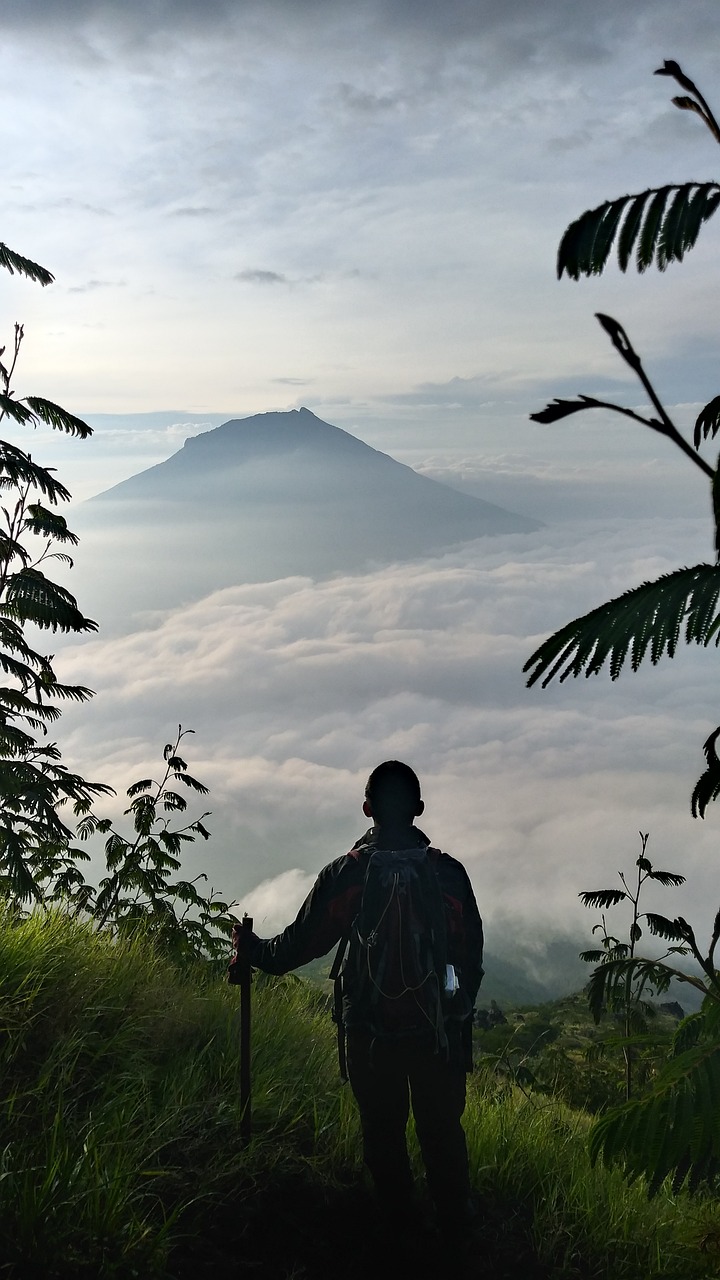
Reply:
x=243, y=955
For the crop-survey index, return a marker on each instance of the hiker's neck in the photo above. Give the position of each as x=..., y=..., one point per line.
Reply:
x=396, y=835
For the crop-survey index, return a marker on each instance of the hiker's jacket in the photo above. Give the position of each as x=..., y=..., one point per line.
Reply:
x=328, y=912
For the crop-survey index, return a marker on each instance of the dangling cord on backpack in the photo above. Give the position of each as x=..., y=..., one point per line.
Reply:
x=438, y=1025
x=407, y=990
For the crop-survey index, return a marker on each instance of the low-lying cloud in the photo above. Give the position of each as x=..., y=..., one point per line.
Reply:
x=296, y=689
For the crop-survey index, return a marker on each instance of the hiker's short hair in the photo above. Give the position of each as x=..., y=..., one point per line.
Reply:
x=393, y=791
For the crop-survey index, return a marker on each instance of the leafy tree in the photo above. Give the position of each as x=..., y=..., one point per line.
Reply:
x=35, y=857
x=659, y=224
x=626, y=1000
x=672, y=1129
x=140, y=891
x=649, y=620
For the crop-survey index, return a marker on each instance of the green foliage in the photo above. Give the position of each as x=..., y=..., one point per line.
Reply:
x=707, y=787
x=559, y=1051
x=658, y=226
x=143, y=889
x=119, y=1102
x=13, y=262
x=622, y=982
x=671, y=1129
x=35, y=858
x=529, y=1159
x=120, y=1114
x=707, y=422
x=647, y=621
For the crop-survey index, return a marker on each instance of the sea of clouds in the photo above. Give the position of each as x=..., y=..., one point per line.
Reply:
x=296, y=689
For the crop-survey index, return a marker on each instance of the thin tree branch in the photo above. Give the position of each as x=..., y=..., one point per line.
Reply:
x=665, y=425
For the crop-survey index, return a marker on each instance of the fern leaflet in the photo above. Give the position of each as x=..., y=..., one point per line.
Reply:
x=662, y=222
x=647, y=618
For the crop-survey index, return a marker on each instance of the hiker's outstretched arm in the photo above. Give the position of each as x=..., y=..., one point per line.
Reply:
x=324, y=917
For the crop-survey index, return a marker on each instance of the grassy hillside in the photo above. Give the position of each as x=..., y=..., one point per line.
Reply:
x=557, y=1049
x=121, y=1155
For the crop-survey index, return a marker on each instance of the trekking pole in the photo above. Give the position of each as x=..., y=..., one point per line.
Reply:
x=243, y=953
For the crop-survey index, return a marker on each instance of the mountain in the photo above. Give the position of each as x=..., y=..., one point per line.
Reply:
x=271, y=496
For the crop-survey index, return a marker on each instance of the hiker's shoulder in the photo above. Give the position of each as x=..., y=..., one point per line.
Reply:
x=348, y=865
x=448, y=865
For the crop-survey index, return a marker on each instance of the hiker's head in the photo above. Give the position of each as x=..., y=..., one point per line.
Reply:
x=392, y=794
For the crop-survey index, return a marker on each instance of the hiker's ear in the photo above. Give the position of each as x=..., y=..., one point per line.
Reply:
x=420, y=808
x=366, y=809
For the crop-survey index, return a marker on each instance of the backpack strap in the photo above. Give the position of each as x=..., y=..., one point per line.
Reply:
x=337, y=1012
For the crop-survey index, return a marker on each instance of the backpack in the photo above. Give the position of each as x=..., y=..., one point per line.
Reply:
x=396, y=966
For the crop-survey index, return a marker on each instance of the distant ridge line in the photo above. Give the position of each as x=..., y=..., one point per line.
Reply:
x=275, y=495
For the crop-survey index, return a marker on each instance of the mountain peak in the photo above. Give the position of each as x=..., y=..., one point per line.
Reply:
x=271, y=433
x=273, y=496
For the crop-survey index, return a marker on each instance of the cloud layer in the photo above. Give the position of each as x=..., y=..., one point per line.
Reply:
x=297, y=689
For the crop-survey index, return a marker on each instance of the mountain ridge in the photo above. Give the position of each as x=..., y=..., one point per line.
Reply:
x=272, y=496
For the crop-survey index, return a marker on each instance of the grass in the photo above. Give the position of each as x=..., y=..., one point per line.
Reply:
x=121, y=1158
x=120, y=1099
x=529, y=1158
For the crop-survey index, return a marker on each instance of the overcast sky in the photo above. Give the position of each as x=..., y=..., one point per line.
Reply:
x=253, y=206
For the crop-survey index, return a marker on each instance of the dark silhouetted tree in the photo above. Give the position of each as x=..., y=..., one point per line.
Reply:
x=672, y=1129
x=35, y=856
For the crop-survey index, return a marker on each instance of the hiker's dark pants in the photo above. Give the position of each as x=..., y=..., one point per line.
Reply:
x=384, y=1076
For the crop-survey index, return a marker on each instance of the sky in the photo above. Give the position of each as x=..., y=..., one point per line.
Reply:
x=256, y=206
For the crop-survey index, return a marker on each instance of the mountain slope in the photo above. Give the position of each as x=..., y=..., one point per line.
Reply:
x=271, y=496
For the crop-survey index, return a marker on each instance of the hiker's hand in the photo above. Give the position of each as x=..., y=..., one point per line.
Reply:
x=234, y=973
x=243, y=939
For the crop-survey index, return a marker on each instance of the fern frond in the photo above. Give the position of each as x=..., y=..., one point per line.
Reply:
x=667, y=878
x=143, y=785
x=673, y=1129
x=649, y=238
x=31, y=597
x=663, y=222
x=608, y=985
x=16, y=410
x=49, y=524
x=54, y=416
x=19, y=469
x=172, y=801
x=558, y=409
x=192, y=783
x=707, y=787
x=13, y=262
x=707, y=422
x=176, y=763
x=647, y=618
x=670, y=930
x=602, y=898
x=671, y=246
x=71, y=692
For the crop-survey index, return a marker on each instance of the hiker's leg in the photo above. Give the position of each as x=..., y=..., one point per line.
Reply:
x=438, y=1100
x=379, y=1081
